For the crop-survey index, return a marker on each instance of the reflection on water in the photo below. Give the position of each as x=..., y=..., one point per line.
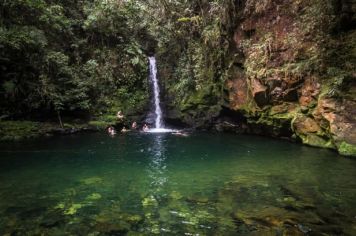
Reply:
x=157, y=166
x=157, y=176
x=160, y=184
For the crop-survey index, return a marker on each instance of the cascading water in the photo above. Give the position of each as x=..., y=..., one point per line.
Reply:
x=159, y=127
x=153, y=77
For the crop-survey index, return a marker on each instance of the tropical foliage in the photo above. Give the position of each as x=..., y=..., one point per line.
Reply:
x=70, y=56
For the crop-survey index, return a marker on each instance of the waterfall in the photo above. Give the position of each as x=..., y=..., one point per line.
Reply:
x=159, y=126
x=153, y=78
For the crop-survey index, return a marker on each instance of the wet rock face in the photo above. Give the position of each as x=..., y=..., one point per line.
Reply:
x=287, y=49
x=306, y=125
x=340, y=118
x=259, y=92
x=309, y=92
x=238, y=92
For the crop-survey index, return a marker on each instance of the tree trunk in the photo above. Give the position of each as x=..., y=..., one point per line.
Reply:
x=60, y=119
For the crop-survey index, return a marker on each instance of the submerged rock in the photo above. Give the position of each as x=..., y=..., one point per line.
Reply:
x=53, y=219
x=149, y=201
x=92, y=180
x=197, y=199
x=132, y=219
x=94, y=196
x=73, y=209
x=112, y=229
x=175, y=195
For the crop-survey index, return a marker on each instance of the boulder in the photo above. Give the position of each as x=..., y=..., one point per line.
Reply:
x=309, y=131
x=305, y=125
x=259, y=92
x=340, y=117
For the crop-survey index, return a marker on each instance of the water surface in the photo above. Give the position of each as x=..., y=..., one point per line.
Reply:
x=204, y=184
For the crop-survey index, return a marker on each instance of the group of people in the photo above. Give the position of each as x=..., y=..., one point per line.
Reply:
x=145, y=128
x=111, y=130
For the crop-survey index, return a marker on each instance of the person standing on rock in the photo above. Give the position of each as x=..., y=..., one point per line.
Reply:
x=119, y=115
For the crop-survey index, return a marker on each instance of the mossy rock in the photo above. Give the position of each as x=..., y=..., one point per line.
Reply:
x=73, y=209
x=92, y=180
x=317, y=141
x=149, y=201
x=94, y=196
x=347, y=149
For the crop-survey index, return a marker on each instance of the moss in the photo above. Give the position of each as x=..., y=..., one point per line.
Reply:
x=347, y=149
x=92, y=180
x=73, y=209
x=60, y=206
x=107, y=118
x=316, y=141
x=149, y=201
x=275, y=120
x=94, y=196
x=74, y=125
x=203, y=97
x=103, y=121
x=17, y=130
x=194, y=19
x=100, y=125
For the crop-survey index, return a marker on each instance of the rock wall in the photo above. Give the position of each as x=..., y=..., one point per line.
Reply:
x=289, y=71
x=297, y=68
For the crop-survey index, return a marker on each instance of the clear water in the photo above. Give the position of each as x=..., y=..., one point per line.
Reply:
x=161, y=184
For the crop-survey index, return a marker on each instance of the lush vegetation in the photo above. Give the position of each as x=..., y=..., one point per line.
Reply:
x=75, y=56
x=71, y=57
x=195, y=48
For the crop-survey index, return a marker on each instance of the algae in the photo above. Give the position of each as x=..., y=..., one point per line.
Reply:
x=347, y=149
x=73, y=209
x=92, y=180
x=94, y=196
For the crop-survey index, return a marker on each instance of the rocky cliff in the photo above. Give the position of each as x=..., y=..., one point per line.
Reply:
x=286, y=68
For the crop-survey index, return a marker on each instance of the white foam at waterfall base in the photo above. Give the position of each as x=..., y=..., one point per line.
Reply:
x=161, y=130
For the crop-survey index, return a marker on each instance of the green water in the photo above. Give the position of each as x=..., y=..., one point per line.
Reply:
x=146, y=184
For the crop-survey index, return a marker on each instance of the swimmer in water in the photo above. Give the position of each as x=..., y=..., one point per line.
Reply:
x=124, y=130
x=145, y=128
x=111, y=131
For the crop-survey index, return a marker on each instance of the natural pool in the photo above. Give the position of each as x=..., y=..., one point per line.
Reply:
x=204, y=184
